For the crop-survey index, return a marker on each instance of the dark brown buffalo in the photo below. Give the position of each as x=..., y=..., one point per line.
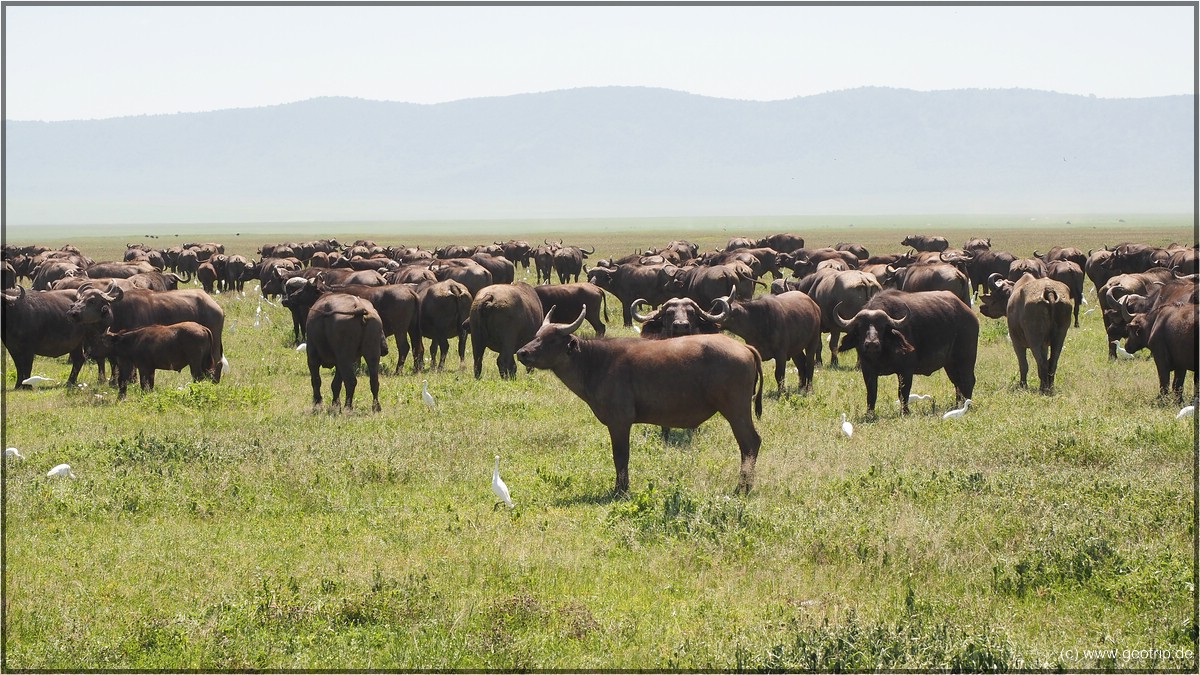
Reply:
x=831, y=288
x=117, y=270
x=858, y=250
x=1039, y=314
x=454, y=251
x=671, y=383
x=1119, y=286
x=9, y=276
x=783, y=242
x=1182, y=260
x=51, y=271
x=445, y=308
x=517, y=251
x=1096, y=270
x=780, y=327
x=36, y=324
x=1032, y=266
x=978, y=244
x=125, y=310
x=206, y=274
x=1063, y=253
x=543, y=260
x=570, y=299
x=910, y=334
x=933, y=277
x=399, y=310
x=1169, y=332
x=159, y=347
x=1133, y=258
x=1070, y=274
x=739, y=242
x=503, y=270
x=630, y=282
x=344, y=330
x=676, y=317
x=503, y=318
x=706, y=284
x=923, y=242
x=804, y=261
x=984, y=264
x=472, y=275
x=568, y=262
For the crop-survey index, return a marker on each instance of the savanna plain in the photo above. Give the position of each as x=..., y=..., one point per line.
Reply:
x=231, y=527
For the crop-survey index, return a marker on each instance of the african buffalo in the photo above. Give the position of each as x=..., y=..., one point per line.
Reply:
x=780, y=327
x=157, y=347
x=344, y=330
x=676, y=317
x=36, y=324
x=630, y=282
x=445, y=308
x=830, y=288
x=570, y=299
x=503, y=318
x=1039, y=314
x=1169, y=332
x=913, y=333
x=922, y=242
x=671, y=383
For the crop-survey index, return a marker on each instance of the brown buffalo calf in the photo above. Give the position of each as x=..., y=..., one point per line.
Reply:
x=157, y=347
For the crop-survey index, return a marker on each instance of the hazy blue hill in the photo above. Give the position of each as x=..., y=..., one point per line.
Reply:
x=610, y=151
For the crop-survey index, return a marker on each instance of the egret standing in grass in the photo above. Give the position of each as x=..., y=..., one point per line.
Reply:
x=499, y=487
x=60, y=471
x=36, y=379
x=428, y=397
x=1185, y=411
x=13, y=453
x=957, y=412
x=1121, y=353
x=847, y=427
x=302, y=347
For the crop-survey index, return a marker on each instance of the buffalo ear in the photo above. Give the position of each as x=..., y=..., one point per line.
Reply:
x=904, y=346
x=573, y=345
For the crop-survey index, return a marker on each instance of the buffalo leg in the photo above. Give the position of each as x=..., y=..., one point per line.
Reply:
x=904, y=389
x=781, y=372
x=403, y=349
x=77, y=361
x=833, y=348
x=462, y=347
x=1164, y=375
x=626, y=314
x=477, y=349
x=314, y=375
x=1022, y=363
x=418, y=346
x=1056, y=346
x=619, y=433
x=871, y=380
x=748, y=443
x=24, y=366
x=373, y=375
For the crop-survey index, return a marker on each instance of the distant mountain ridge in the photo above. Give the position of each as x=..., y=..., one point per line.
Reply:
x=610, y=151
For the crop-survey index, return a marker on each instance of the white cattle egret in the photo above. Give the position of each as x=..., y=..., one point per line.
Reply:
x=427, y=397
x=498, y=485
x=60, y=471
x=1121, y=353
x=1090, y=310
x=13, y=453
x=957, y=412
x=303, y=347
x=1083, y=300
x=224, y=366
x=847, y=427
x=637, y=329
x=36, y=379
x=1185, y=411
x=913, y=398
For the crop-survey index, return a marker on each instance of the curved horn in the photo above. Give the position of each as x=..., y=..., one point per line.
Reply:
x=20, y=292
x=1036, y=254
x=1090, y=252
x=114, y=292
x=588, y=252
x=719, y=316
x=642, y=318
x=894, y=322
x=1113, y=297
x=567, y=329
x=84, y=286
x=1125, y=313
x=994, y=279
x=546, y=319
x=187, y=279
x=837, y=317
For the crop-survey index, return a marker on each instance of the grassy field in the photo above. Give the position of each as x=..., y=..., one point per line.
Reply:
x=230, y=527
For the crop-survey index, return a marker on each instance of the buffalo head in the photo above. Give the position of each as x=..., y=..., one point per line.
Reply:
x=93, y=305
x=873, y=332
x=553, y=344
x=677, y=316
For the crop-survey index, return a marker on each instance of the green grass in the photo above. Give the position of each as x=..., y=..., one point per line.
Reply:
x=230, y=527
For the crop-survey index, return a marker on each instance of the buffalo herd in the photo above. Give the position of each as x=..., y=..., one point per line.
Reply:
x=904, y=313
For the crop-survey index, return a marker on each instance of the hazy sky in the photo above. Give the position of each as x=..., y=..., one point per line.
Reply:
x=95, y=62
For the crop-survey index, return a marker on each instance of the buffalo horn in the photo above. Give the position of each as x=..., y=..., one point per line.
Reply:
x=896, y=323
x=1114, y=297
x=1125, y=313
x=589, y=252
x=1036, y=254
x=837, y=317
x=114, y=292
x=546, y=320
x=84, y=286
x=719, y=316
x=994, y=280
x=642, y=318
x=20, y=291
x=567, y=329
